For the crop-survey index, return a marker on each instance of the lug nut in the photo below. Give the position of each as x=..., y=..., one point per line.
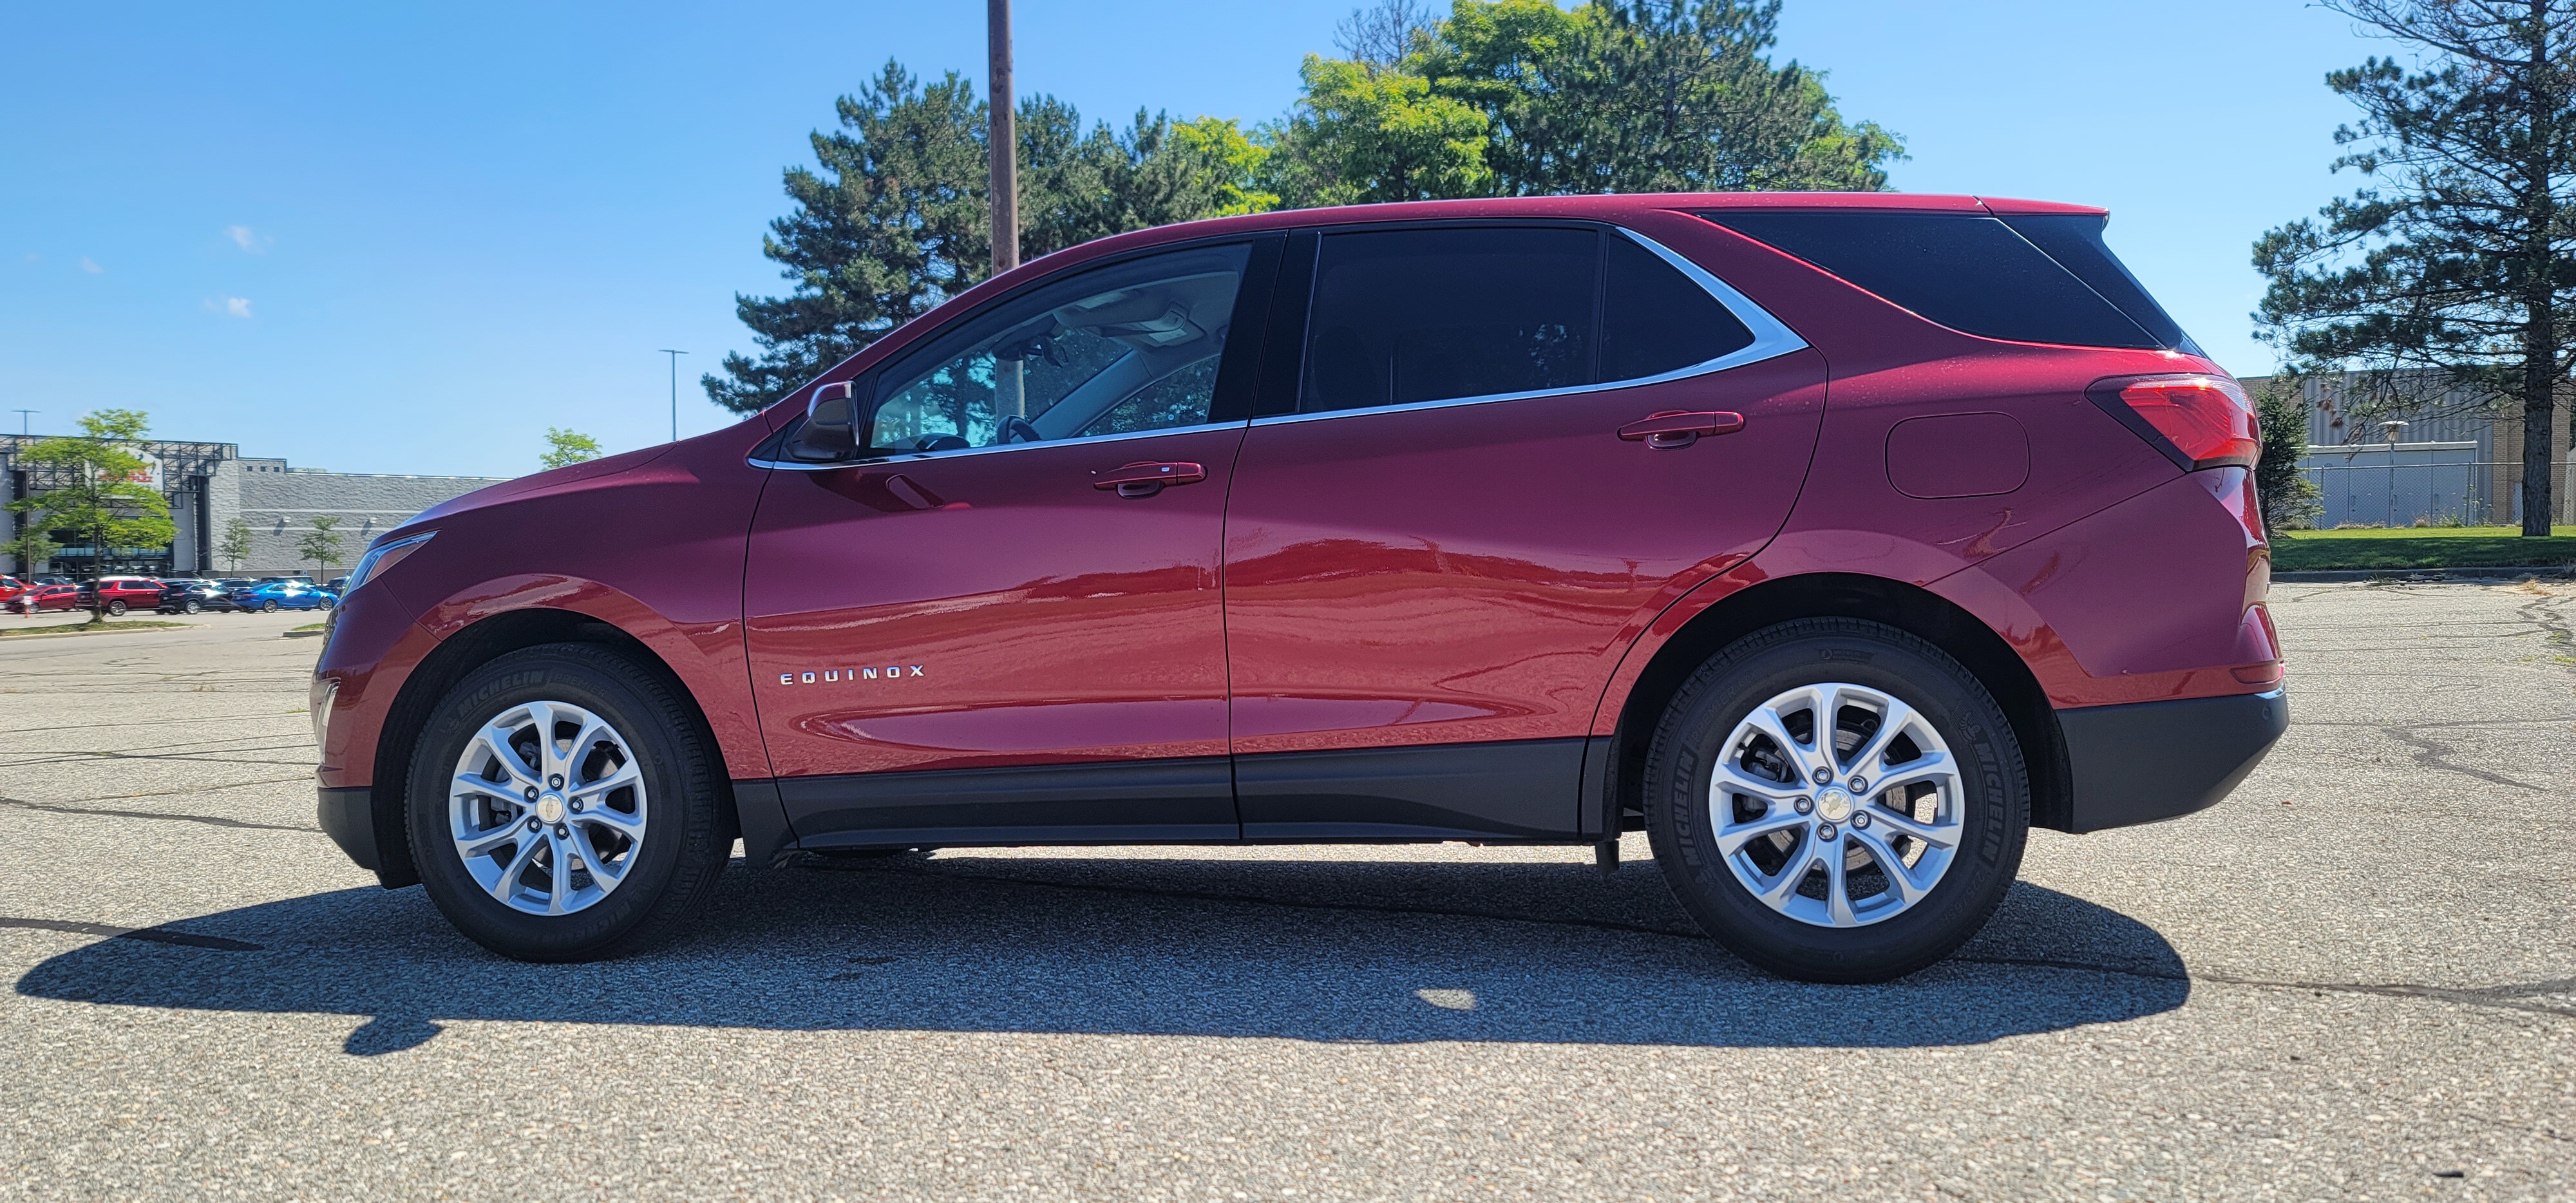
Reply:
x=532, y=793
x=576, y=806
x=1860, y=785
x=1860, y=822
x=1805, y=805
x=560, y=833
x=1825, y=833
x=1824, y=776
x=554, y=782
x=534, y=825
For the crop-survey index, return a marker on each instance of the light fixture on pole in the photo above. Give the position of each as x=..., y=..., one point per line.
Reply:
x=675, y=390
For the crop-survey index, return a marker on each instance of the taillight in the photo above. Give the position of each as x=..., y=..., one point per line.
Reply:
x=2197, y=421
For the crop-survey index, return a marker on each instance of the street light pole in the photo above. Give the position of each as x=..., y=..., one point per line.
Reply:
x=675, y=390
x=22, y=418
x=1002, y=142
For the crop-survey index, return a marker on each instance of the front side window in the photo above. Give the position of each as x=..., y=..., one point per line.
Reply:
x=1124, y=349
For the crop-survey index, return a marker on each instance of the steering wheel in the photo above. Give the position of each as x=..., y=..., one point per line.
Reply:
x=1016, y=429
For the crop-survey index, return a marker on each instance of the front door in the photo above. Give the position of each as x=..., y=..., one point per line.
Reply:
x=975, y=630
x=1510, y=448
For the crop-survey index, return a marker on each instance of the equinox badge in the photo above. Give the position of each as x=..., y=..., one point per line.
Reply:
x=826, y=676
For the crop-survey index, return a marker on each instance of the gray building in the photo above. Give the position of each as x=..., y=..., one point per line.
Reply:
x=210, y=486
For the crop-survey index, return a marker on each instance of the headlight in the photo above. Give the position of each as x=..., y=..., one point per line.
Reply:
x=383, y=556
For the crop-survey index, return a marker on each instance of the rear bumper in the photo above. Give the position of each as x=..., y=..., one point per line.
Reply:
x=2152, y=761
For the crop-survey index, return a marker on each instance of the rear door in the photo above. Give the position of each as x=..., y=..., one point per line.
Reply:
x=1452, y=519
x=974, y=631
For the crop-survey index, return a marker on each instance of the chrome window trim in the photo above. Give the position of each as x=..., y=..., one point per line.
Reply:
x=1771, y=339
x=913, y=456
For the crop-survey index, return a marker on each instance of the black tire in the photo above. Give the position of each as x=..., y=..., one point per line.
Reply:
x=1690, y=741
x=688, y=834
x=116, y=609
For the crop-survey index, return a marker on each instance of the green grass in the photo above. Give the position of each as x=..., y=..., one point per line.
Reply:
x=2418, y=547
x=110, y=627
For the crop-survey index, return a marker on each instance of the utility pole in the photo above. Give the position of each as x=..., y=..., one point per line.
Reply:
x=675, y=390
x=22, y=418
x=1002, y=142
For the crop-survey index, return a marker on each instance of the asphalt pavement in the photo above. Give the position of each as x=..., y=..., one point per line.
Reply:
x=2354, y=979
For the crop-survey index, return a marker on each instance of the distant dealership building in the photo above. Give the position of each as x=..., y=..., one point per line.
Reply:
x=209, y=486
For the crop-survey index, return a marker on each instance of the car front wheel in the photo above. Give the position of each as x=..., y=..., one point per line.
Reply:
x=269, y=606
x=191, y=606
x=1835, y=800
x=563, y=808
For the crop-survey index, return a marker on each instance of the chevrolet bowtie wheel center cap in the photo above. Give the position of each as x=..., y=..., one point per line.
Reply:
x=550, y=809
x=1833, y=806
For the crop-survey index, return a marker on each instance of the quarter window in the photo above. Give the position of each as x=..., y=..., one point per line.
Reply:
x=1123, y=349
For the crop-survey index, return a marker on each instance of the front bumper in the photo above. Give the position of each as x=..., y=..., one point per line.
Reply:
x=2152, y=761
x=348, y=816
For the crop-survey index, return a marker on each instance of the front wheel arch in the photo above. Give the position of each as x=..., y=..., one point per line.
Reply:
x=460, y=654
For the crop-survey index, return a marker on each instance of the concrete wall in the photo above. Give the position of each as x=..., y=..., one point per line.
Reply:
x=280, y=508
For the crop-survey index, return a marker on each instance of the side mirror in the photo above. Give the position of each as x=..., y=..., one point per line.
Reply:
x=831, y=429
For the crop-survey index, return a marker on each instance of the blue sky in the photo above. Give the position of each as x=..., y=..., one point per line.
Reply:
x=408, y=238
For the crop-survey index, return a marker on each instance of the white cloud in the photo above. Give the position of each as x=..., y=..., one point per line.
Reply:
x=230, y=306
x=90, y=266
x=247, y=240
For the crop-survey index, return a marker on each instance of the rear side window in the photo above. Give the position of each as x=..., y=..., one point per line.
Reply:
x=1655, y=320
x=1401, y=316
x=2075, y=241
x=1970, y=273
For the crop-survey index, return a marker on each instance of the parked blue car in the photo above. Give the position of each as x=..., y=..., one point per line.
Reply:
x=285, y=595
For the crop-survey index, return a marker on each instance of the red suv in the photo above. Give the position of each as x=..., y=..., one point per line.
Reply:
x=1832, y=540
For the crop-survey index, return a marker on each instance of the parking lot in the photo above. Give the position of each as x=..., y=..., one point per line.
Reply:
x=2354, y=979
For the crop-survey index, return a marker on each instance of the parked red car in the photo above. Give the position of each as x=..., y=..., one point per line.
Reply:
x=10, y=588
x=49, y=597
x=118, y=594
x=1833, y=540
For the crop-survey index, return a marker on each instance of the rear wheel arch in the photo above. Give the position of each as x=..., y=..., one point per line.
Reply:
x=460, y=654
x=1909, y=608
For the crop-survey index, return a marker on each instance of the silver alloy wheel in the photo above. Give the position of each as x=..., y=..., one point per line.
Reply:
x=1842, y=831
x=547, y=809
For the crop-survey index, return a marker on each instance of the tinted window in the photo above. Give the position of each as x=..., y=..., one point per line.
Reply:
x=1969, y=273
x=1402, y=316
x=2075, y=241
x=1654, y=319
x=1127, y=348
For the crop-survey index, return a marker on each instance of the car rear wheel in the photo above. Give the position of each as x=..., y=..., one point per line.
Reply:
x=322, y=603
x=116, y=608
x=563, y=808
x=268, y=606
x=1835, y=800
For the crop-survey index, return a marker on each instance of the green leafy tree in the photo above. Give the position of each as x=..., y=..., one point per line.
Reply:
x=566, y=447
x=893, y=220
x=322, y=545
x=110, y=498
x=1641, y=96
x=2456, y=255
x=234, y=547
x=34, y=547
x=2290, y=500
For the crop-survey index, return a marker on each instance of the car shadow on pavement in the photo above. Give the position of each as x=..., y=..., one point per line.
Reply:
x=1326, y=950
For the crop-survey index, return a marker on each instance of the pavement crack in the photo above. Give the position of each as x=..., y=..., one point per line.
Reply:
x=149, y=935
x=208, y=820
x=2434, y=754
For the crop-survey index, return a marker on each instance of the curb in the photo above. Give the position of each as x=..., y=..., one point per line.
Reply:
x=2430, y=576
